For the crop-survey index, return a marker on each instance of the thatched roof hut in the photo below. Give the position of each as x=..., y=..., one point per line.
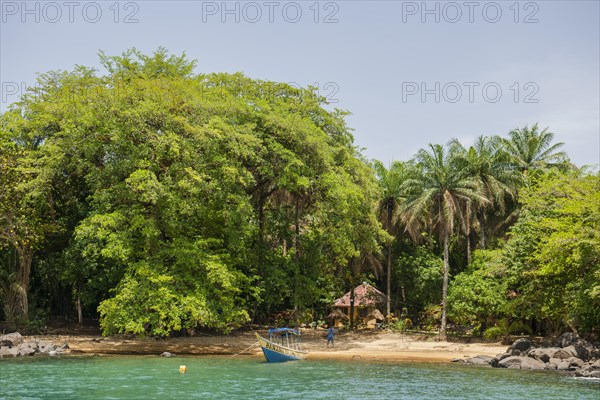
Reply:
x=337, y=314
x=365, y=295
x=366, y=300
x=376, y=314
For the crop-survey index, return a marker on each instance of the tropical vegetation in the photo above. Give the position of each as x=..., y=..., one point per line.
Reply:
x=159, y=200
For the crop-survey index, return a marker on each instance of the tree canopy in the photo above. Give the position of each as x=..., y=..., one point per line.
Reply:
x=161, y=200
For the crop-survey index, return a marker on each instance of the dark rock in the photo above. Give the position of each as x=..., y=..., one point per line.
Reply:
x=4, y=351
x=584, y=350
x=47, y=348
x=543, y=355
x=521, y=345
x=551, y=365
x=521, y=363
x=563, y=365
x=64, y=346
x=589, y=370
x=453, y=360
x=15, y=338
x=567, y=339
x=5, y=343
x=570, y=364
x=26, y=346
x=26, y=351
x=575, y=362
x=478, y=360
x=498, y=358
x=595, y=366
x=566, y=352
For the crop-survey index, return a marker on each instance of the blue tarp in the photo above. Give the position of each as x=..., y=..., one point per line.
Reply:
x=284, y=331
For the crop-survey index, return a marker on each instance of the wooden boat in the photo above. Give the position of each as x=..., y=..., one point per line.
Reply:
x=282, y=345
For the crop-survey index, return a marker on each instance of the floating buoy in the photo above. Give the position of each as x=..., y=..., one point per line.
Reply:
x=182, y=369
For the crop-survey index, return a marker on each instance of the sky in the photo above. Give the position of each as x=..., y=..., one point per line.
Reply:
x=410, y=72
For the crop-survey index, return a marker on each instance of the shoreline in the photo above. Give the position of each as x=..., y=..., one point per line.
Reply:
x=349, y=346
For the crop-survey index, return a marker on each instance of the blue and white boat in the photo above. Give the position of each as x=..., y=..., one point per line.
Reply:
x=283, y=345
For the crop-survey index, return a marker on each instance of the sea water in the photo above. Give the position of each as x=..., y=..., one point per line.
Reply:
x=144, y=377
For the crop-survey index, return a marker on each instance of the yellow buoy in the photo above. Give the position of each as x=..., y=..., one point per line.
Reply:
x=182, y=369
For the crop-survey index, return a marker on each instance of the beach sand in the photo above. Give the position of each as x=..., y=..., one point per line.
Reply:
x=358, y=346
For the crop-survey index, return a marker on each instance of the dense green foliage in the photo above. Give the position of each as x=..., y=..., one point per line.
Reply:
x=162, y=200
x=548, y=270
x=189, y=200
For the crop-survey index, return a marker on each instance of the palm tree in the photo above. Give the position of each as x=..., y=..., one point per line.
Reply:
x=491, y=164
x=391, y=183
x=532, y=149
x=441, y=198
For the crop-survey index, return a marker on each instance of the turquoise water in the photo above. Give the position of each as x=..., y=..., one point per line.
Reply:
x=250, y=378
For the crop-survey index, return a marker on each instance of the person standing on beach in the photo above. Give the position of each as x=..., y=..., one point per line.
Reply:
x=330, y=333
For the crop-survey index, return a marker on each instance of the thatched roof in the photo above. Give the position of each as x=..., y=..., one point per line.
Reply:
x=376, y=314
x=337, y=314
x=364, y=295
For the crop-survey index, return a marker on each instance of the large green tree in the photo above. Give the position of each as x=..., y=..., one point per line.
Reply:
x=441, y=199
x=26, y=205
x=487, y=161
x=532, y=149
x=192, y=200
x=553, y=254
x=393, y=192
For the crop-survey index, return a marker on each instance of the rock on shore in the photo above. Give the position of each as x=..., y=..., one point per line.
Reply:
x=568, y=353
x=14, y=345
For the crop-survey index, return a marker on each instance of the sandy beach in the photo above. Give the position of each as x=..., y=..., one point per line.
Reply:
x=358, y=346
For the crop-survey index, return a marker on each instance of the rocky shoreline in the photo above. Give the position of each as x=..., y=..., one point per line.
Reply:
x=568, y=354
x=13, y=344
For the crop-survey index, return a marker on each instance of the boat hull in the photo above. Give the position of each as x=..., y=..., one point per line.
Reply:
x=277, y=353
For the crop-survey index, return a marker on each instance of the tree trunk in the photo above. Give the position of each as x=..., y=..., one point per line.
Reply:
x=25, y=253
x=261, y=231
x=445, y=283
x=482, y=230
x=482, y=239
x=389, y=263
x=296, y=252
x=469, y=248
x=79, y=309
x=352, y=308
x=259, y=246
x=468, y=232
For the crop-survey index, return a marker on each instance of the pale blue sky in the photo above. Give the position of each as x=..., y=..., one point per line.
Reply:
x=375, y=60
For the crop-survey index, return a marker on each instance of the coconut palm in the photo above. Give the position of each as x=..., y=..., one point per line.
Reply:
x=391, y=183
x=441, y=198
x=532, y=149
x=487, y=161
